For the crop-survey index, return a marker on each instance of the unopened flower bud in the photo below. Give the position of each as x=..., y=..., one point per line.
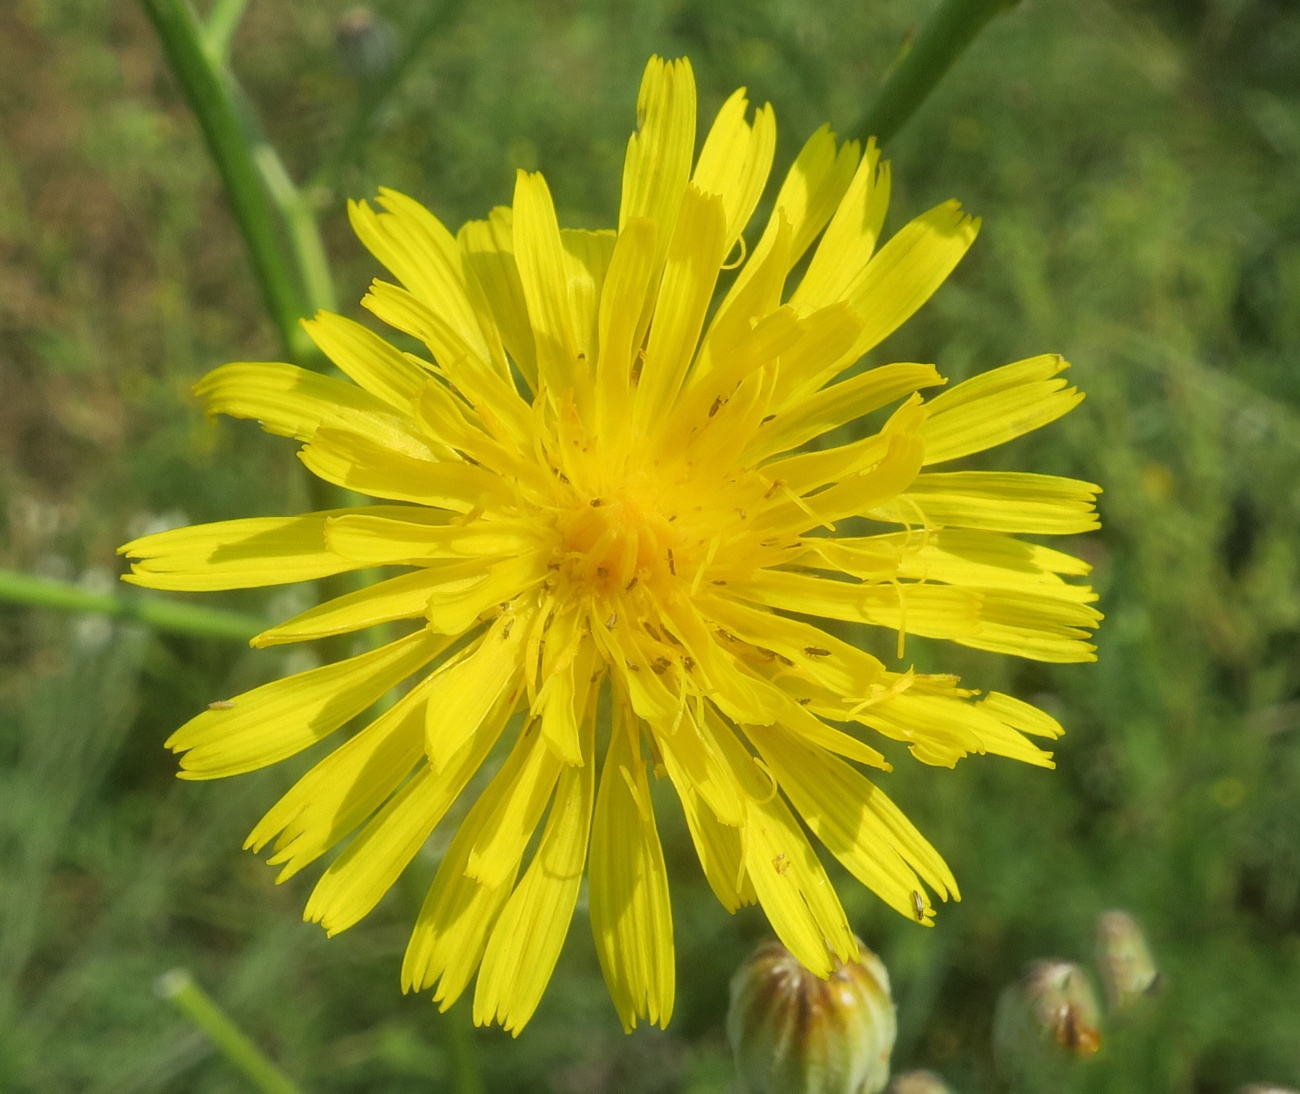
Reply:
x=794, y=1033
x=919, y=1082
x=367, y=43
x=1127, y=971
x=1046, y=1019
x=1265, y=1088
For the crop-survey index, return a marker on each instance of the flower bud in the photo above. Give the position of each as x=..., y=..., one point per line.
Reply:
x=919, y=1082
x=794, y=1033
x=1265, y=1088
x=1127, y=971
x=1045, y=1020
x=367, y=44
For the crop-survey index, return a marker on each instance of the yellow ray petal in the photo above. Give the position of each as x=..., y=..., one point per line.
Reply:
x=659, y=153
x=465, y=690
x=788, y=879
x=718, y=847
x=934, y=611
x=842, y=668
x=691, y=760
x=402, y=597
x=907, y=270
x=370, y=361
x=808, y=197
x=343, y=789
x=459, y=912
x=525, y=943
x=455, y=606
x=236, y=554
x=805, y=472
x=997, y=501
x=488, y=390
x=417, y=536
x=358, y=879
x=568, y=667
x=735, y=160
x=282, y=718
x=997, y=406
x=631, y=919
x=940, y=726
x=423, y=254
x=1020, y=716
x=694, y=258
x=293, y=402
x=850, y=237
x=1027, y=624
x=957, y=556
x=540, y=255
x=866, y=493
x=531, y=771
x=838, y=405
x=356, y=462
x=755, y=295
x=624, y=311
x=489, y=250
x=855, y=821
x=586, y=262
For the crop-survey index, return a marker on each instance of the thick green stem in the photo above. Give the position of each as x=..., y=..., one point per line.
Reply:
x=304, y=231
x=223, y=21
x=941, y=41
x=164, y=615
x=466, y=1074
x=179, y=988
x=209, y=92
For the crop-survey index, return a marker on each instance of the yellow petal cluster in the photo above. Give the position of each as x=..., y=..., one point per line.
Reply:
x=619, y=513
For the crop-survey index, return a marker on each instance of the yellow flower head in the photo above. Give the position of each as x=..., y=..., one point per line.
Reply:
x=619, y=520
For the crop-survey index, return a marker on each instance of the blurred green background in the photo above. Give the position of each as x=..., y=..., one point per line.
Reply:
x=1137, y=163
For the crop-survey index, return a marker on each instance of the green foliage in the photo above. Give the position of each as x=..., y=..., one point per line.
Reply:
x=1135, y=162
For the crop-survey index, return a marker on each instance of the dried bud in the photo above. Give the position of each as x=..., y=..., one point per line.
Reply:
x=367, y=43
x=919, y=1082
x=1046, y=1019
x=1127, y=971
x=794, y=1033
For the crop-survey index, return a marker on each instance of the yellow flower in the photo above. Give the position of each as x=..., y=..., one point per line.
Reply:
x=617, y=515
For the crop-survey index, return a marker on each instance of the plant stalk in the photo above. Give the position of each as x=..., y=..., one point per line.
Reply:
x=179, y=988
x=175, y=616
x=940, y=42
x=209, y=92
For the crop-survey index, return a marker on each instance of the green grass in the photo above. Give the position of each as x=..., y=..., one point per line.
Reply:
x=1136, y=164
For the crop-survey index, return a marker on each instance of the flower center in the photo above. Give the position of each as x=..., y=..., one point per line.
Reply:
x=611, y=542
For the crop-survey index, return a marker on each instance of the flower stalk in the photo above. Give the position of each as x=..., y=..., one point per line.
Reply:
x=924, y=62
x=211, y=95
x=174, y=616
x=179, y=988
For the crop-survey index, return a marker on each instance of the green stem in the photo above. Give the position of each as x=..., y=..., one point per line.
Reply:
x=210, y=94
x=164, y=615
x=467, y=1075
x=304, y=231
x=179, y=988
x=941, y=41
x=223, y=21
